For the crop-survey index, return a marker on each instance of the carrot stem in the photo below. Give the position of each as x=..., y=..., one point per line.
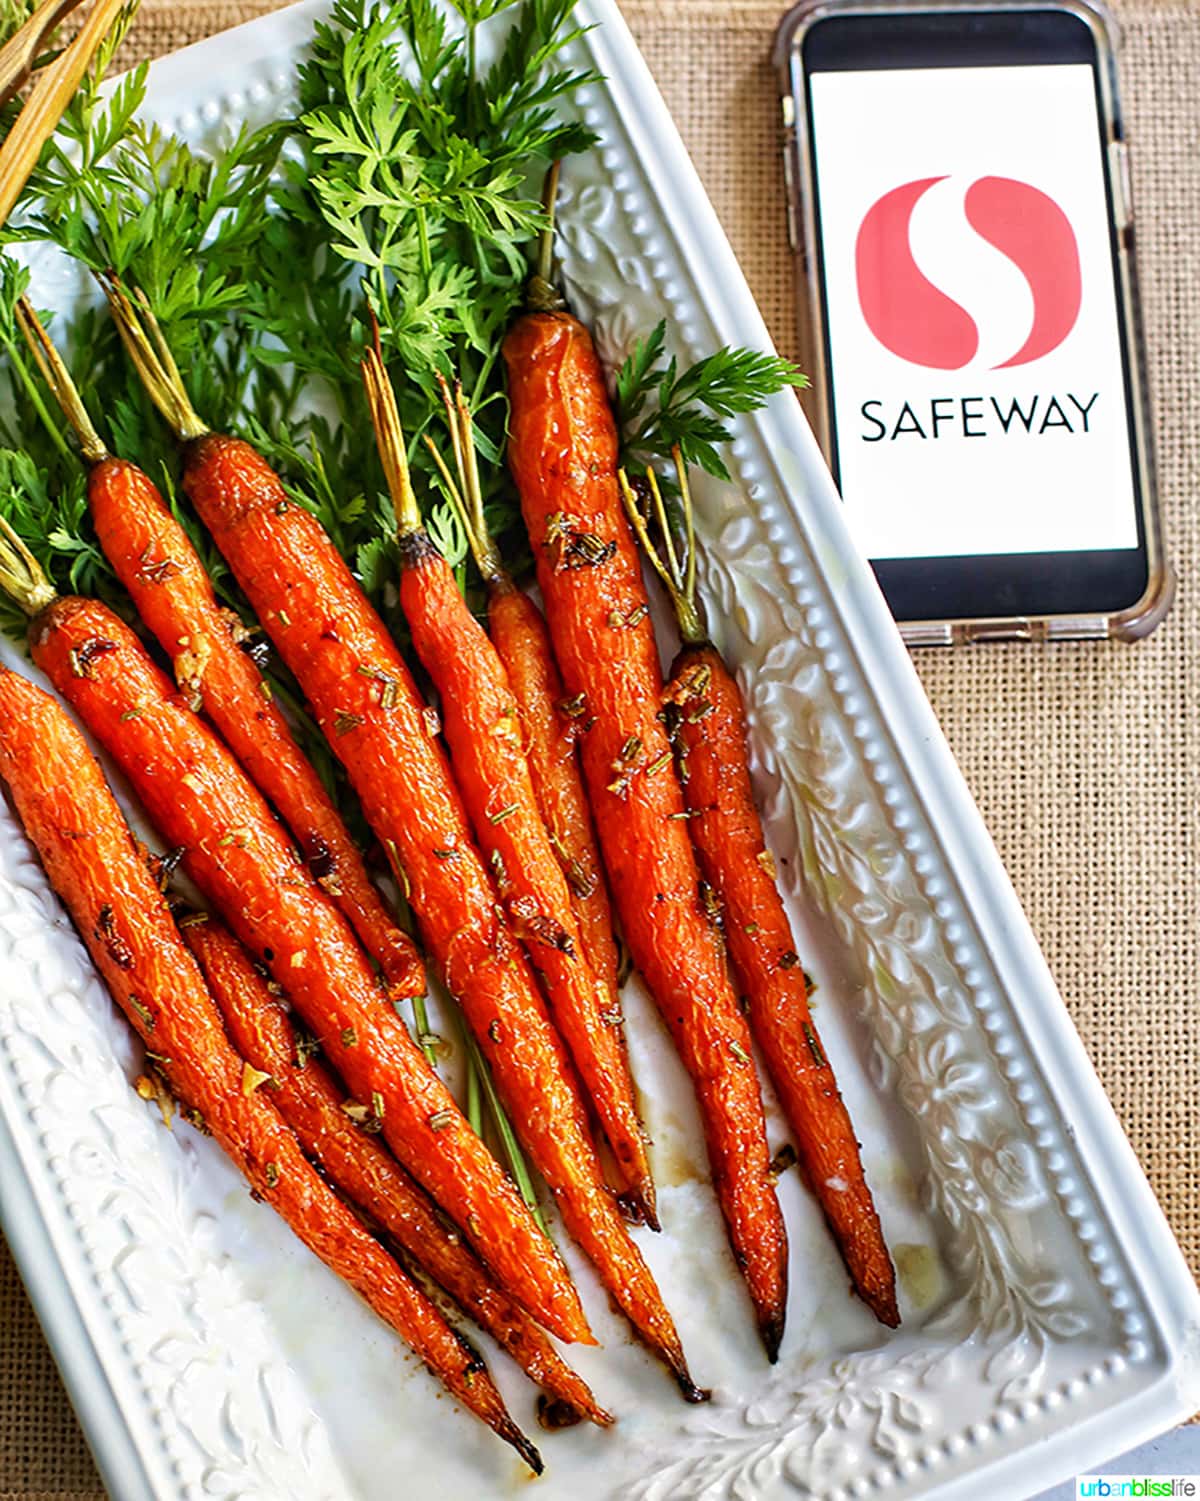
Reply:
x=35, y=397
x=62, y=387
x=381, y=399
x=508, y=1139
x=21, y=576
x=152, y=359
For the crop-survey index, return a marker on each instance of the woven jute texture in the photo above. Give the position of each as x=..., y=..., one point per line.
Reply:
x=1085, y=759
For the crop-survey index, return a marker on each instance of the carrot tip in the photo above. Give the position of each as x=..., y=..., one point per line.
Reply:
x=691, y=1392
x=511, y=1434
x=883, y=1305
x=770, y=1329
x=638, y=1207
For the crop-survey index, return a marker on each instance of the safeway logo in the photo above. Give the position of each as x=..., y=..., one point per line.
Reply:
x=915, y=320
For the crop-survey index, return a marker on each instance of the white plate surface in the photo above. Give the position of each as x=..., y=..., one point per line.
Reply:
x=1049, y=1318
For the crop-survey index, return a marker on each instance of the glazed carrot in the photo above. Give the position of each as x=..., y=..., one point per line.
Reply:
x=483, y=730
x=551, y=725
x=519, y=635
x=202, y=803
x=156, y=562
x=563, y=455
x=710, y=736
x=306, y=1095
x=364, y=698
x=101, y=876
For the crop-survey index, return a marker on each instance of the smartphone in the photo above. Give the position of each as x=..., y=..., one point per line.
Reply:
x=960, y=207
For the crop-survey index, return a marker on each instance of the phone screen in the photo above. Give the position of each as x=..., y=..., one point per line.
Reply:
x=973, y=323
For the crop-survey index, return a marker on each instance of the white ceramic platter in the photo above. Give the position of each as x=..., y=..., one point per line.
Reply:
x=1049, y=1319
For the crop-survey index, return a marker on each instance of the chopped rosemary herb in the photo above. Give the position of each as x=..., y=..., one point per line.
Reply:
x=637, y=615
x=349, y=1038
x=307, y=1046
x=814, y=1045
x=495, y=1031
x=789, y=960
x=82, y=656
x=272, y=1174
x=739, y=1052
x=344, y=722
x=751, y=929
x=397, y=869
x=143, y=1015
x=440, y=1119
x=767, y=860
x=573, y=707
x=377, y=1105
x=658, y=763
x=502, y=814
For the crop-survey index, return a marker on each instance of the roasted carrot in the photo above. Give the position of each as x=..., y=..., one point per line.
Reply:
x=101, y=876
x=306, y=1095
x=156, y=562
x=484, y=733
x=708, y=723
x=551, y=726
x=563, y=455
x=202, y=803
x=364, y=698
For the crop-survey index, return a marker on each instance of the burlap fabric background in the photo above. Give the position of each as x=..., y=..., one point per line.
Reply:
x=1084, y=759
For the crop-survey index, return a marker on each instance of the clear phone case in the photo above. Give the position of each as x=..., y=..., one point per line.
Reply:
x=1139, y=619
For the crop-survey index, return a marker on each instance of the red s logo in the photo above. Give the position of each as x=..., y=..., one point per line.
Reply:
x=916, y=321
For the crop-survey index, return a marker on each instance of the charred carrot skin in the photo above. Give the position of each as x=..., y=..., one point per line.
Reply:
x=484, y=733
x=563, y=455
x=155, y=560
x=364, y=698
x=100, y=874
x=552, y=726
x=728, y=836
x=202, y=803
x=306, y=1095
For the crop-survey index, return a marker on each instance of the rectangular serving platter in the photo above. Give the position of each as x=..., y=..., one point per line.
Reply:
x=1049, y=1318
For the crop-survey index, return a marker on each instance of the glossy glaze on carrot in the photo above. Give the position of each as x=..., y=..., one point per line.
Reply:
x=100, y=873
x=484, y=733
x=563, y=454
x=552, y=723
x=727, y=833
x=202, y=803
x=363, y=696
x=305, y=1093
x=549, y=731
